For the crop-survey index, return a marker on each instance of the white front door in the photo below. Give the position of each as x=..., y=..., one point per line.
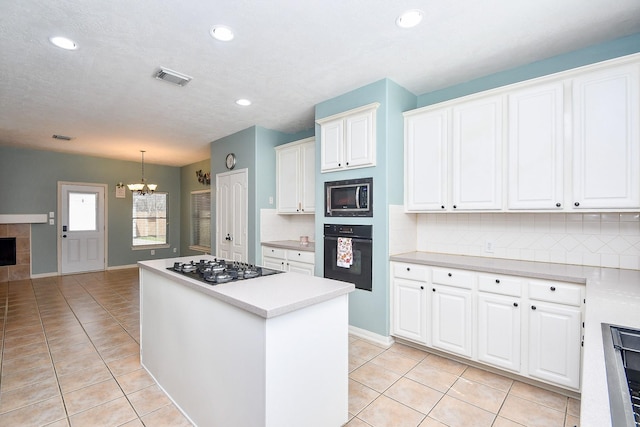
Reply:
x=232, y=215
x=82, y=227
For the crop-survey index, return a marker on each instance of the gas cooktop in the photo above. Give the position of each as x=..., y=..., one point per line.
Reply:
x=218, y=271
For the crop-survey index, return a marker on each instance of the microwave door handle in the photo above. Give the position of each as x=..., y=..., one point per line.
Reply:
x=329, y=201
x=358, y=197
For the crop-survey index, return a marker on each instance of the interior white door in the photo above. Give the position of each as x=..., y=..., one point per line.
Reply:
x=232, y=215
x=82, y=227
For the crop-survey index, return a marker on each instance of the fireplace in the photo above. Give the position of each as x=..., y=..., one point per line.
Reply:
x=7, y=251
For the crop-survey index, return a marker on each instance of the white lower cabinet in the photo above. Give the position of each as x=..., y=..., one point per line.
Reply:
x=499, y=330
x=529, y=327
x=302, y=262
x=451, y=319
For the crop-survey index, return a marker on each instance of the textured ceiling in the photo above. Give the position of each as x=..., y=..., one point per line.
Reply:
x=287, y=56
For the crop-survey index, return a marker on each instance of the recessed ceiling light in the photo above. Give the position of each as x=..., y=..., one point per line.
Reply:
x=64, y=43
x=409, y=19
x=243, y=102
x=222, y=33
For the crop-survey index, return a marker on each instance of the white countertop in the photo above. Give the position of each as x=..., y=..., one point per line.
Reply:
x=291, y=244
x=612, y=296
x=267, y=296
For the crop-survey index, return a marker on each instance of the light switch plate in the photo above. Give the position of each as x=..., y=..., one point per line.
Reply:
x=52, y=221
x=52, y=214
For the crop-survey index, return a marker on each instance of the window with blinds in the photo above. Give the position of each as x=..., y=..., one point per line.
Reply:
x=201, y=220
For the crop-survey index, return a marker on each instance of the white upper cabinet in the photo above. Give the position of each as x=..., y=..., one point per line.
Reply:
x=572, y=141
x=348, y=140
x=477, y=154
x=535, y=144
x=606, y=154
x=426, y=160
x=295, y=177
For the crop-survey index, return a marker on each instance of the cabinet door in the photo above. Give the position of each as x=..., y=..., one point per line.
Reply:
x=536, y=148
x=499, y=331
x=273, y=263
x=300, y=267
x=606, y=157
x=409, y=310
x=451, y=319
x=477, y=154
x=554, y=343
x=426, y=158
x=308, y=177
x=332, y=145
x=288, y=172
x=360, y=140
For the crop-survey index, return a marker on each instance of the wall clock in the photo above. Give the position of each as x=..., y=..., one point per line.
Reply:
x=231, y=161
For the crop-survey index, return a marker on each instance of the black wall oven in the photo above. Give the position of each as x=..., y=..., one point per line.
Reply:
x=348, y=254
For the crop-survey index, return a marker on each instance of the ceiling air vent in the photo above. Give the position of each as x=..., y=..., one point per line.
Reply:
x=172, y=76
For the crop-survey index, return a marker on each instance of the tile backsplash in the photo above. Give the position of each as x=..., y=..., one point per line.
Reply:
x=595, y=239
x=275, y=227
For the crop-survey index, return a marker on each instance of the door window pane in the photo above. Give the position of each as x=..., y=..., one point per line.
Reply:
x=83, y=211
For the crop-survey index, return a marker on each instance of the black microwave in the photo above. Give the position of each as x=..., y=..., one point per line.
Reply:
x=352, y=197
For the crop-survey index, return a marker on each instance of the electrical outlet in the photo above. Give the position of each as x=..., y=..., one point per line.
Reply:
x=175, y=250
x=488, y=246
x=153, y=251
x=270, y=200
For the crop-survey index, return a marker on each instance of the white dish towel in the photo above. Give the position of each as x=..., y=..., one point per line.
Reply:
x=345, y=252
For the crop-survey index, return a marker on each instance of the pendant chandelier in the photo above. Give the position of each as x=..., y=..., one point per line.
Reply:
x=142, y=188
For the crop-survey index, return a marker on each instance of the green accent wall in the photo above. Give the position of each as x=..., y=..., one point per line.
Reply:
x=29, y=185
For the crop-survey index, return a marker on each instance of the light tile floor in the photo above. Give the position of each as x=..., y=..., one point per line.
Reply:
x=69, y=353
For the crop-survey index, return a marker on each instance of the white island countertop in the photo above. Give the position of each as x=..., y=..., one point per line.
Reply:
x=267, y=296
x=612, y=296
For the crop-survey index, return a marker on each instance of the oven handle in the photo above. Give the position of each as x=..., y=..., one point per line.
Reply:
x=355, y=239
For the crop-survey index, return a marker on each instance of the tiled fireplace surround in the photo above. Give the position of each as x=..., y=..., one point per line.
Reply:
x=22, y=269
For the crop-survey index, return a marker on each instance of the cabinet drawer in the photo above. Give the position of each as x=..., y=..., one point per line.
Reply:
x=411, y=272
x=273, y=252
x=503, y=285
x=301, y=256
x=561, y=293
x=450, y=277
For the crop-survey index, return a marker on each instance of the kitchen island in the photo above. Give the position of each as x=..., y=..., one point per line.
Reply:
x=269, y=351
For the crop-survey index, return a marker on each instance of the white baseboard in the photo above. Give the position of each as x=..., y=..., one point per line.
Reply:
x=122, y=267
x=42, y=275
x=371, y=336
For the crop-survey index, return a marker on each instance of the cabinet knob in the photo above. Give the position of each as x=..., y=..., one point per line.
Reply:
x=533, y=307
x=498, y=281
x=449, y=274
x=553, y=288
x=408, y=268
x=339, y=164
x=455, y=207
x=558, y=205
x=421, y=287
x=433, y=289
x=347, y=163
x=515, y=304
x=442, y=207
x=576, y=204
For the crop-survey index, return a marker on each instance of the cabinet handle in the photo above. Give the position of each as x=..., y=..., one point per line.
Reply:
x=449, y=274
x=553, y=288
x=576, y=204
x=533, y=307
x=558, y=205
x=498, y=281
x=515, y=304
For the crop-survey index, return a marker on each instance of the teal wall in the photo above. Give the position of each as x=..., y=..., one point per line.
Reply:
x=592, y=54
x=29, y=185
x=370, y=310
x=188, y=183
x=254, y=151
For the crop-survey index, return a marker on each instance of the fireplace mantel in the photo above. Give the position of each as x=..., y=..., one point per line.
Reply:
x=23, y=219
